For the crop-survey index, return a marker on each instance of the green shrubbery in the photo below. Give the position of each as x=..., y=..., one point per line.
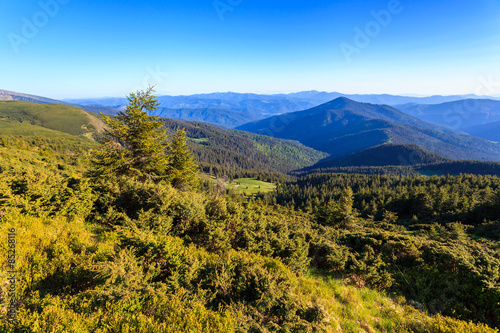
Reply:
x=153, y=258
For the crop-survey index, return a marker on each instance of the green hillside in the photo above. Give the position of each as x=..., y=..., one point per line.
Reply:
x=62, y=118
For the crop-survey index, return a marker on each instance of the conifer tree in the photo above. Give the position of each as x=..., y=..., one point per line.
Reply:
x=135, y=144
x=338, y=213
x=184, y=171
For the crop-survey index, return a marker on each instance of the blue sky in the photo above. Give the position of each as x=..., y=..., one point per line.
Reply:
x=110, y=48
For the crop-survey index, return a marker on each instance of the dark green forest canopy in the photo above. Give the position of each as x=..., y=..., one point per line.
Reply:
x=239, y=154
x=466, y=198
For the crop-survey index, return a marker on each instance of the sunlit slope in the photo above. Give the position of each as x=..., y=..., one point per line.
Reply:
x=18, y=116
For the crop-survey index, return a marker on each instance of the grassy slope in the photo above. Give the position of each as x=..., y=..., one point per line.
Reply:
x=57, y=117
x=246, y=186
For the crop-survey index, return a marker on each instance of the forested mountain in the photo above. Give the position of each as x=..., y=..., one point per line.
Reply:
x=230, y=151
x=385, y=155
x=452, y=168
x=457, y=114
x=343, y=127
x=489, y=131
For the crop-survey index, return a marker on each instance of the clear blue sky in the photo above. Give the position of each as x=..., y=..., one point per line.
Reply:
x=98, y=48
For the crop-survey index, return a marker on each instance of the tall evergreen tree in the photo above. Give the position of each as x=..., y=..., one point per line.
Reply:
x=135, y=144
x=184, y=171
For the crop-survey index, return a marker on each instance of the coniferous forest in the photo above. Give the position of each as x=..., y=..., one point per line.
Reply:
x=124, y=233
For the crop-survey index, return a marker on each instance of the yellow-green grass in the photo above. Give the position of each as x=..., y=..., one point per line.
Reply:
x=347, y=308
x=9, y=127
x=246, y=186
x=201, y=140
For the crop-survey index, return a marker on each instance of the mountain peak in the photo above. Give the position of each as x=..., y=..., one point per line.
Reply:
x=342, y=102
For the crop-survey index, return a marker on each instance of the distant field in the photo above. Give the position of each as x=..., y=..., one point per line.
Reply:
x=246, y=186
x=250, y=186
x=202, y=140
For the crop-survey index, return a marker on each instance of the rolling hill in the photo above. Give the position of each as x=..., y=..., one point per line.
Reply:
x=342, y=127
x=457, y=114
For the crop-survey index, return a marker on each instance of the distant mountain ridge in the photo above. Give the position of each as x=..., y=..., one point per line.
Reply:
x=342, y=127
x=6, y=95
x=225, y=99
x=230, y=110
x=457, y=114
x=218, y=117
x=260, y=106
